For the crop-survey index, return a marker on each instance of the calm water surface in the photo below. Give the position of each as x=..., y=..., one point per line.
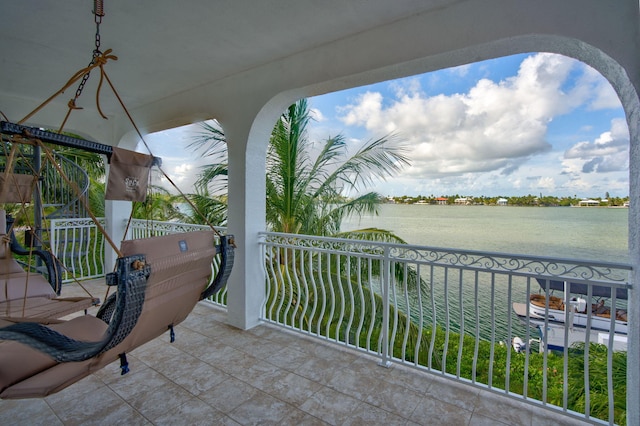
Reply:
x=570, y=232
x=565, y=232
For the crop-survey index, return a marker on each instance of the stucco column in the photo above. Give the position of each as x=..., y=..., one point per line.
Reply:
x=246, y=204
x=633, y=336
x=116, y=214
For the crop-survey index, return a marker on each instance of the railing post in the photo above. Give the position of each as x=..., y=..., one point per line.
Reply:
x=53, y=237
x=386, y=283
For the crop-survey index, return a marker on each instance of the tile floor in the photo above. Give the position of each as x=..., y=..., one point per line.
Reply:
x=215, y=374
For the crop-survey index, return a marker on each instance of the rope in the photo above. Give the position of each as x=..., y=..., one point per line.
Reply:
x=99, y=62
x=35, y=237
x=126, y=111
x=75, y=188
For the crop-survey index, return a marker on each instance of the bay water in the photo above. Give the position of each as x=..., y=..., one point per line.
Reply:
x=588, y=233
x=584, y=233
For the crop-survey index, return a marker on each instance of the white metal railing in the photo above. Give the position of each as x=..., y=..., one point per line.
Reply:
x=80, y=246
x=452, y=312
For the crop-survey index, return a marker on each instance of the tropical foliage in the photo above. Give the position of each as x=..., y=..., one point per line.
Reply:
x=307, y=182
x=306, y=195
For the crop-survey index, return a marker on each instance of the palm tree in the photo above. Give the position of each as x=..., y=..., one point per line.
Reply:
x=306, y=194
x=158, y=205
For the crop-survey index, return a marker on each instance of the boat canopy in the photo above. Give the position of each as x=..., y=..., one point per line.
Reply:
x=579, y=288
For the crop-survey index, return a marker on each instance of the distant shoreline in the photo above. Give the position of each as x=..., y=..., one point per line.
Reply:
x=505, y=205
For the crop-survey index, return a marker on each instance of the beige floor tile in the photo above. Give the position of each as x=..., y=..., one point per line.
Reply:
x=193, y=412
x=70, y=394
x=480, y=420
x=288, y=358
x=217, y=374
x=289, y=387
x=137, y=382
x=297, y=417
x=262, y=409
x=367, y=414
x=158, y=401
x=446, y=390
x=321, y=370
x=97, y=404
x=331, y=406
x=393, y=398
x=228, y=395
x=27, y=412
x=503, y=409
x=432, y=411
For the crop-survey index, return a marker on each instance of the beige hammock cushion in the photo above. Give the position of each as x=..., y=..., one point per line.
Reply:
x=180, y=271
x=28, y=294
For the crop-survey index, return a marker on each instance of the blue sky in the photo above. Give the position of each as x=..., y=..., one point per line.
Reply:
x=526, y=124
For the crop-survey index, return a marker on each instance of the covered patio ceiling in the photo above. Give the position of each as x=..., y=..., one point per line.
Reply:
x=166, y=48
x=181, y=62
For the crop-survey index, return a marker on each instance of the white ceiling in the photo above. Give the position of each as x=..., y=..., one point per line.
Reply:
x=185, y=61
x=167, y=47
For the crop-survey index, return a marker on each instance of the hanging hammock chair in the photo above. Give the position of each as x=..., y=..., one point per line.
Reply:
x=31, y=295
x=158, y=280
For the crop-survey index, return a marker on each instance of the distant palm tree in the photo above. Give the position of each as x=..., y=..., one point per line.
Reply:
x=206, y=208
x=158, y=205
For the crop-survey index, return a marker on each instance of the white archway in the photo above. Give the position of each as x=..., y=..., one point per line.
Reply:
x=247, y=168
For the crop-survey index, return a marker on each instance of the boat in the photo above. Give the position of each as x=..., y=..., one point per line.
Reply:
x=561, y=324
x=555, y=336
x=579, y=311
x=577, y=315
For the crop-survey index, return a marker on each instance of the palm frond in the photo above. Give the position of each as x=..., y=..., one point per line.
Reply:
x=377, y=159
x=372, y=234
x=211, y=139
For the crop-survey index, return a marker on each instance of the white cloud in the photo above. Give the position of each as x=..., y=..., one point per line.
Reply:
x=495, y=126
x=317, y=115
x=599, y=92
x=607, y=153
x=481, y=140
x=182, y=170
x=547, y=184
x=461, y=70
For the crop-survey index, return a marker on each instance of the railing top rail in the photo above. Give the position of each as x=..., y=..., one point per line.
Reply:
x=167, y=225
x=518, y=264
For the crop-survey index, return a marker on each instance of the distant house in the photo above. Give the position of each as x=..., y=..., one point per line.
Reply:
x=502, y=201
x=588, y=203
x=442, y=201
x=462, y=201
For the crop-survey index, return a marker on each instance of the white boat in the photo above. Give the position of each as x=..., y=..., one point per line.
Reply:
x=561, y=324
x=578, y=311
x=577, y=314
x=554, y=337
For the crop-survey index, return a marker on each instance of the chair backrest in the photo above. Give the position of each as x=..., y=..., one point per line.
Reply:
x=180, y=271
x=15, y=283
x=159, y=282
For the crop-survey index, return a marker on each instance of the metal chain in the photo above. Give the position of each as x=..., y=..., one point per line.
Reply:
x=98, y=14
